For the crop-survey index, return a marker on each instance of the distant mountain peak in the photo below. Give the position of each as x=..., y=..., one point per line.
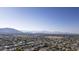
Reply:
x=9, y=31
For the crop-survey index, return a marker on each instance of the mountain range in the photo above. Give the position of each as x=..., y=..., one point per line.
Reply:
x=14, y=31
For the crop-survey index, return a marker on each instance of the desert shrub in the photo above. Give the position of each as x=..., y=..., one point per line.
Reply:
x=19, y=49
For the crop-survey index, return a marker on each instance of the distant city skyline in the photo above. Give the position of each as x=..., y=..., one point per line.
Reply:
x=61, y=19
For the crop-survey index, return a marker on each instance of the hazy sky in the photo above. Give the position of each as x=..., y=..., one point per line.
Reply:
x=40, y=19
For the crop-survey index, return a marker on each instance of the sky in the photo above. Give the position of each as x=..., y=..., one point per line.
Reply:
x=61, y=19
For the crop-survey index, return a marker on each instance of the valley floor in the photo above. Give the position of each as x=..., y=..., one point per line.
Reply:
x=39, y=42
